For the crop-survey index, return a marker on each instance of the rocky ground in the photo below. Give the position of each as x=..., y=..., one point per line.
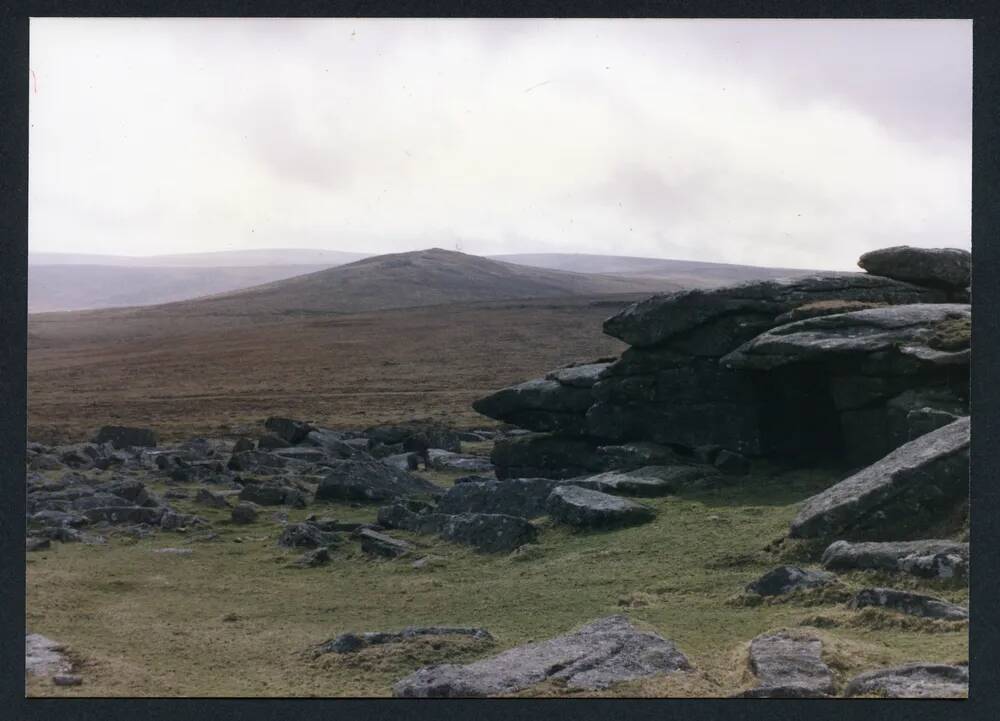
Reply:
x=639, y=526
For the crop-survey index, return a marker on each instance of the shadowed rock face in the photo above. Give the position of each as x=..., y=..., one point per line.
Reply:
x=788, y=667
x=896, y=494
x=939, y=267
x=915, y=680
x=600, y=654
x=737, y=313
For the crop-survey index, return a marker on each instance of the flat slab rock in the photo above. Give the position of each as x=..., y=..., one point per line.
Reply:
x=600, y=654
x=524, y=497
x=648, y=481
x=788, y=667
x=586, y=508
x=486, y=532
x=914, y=680
x=906, y=329
x=943, y=267
x=785, y=579
x=352, y=642
x=931, y=469
x=914, y=604
x=926, y=559
x=43, y=656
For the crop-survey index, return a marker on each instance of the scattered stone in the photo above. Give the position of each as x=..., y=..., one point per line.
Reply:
x=173, y=521
x=306, y=535
x=244, y=513
x=487, y=532
x=270, y=442
x=428, y=562
x=914, y=604
x=67, y=679
x=785, y=579
x=379, y=544
x=314, y=558
x=353, y=642
x=207, y=498
x=941, y=267
x=363, y=479
x=125, y=437
x=272, y=494
x=523, y=497
x=914, y=680
x=732, y=463
x=598, y=655
x=586, y=508
x=788, y=667
x=289, y=430
x=904, y=491
x=925, y=559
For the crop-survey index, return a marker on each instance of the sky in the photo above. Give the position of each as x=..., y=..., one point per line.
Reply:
x=769, y=142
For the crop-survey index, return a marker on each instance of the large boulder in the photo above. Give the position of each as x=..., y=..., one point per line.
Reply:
x=126, y=437
x=908, y=489
x=913, y=680
x=714, y=321
x=932, y=558
x=788, y=667
x=541, y=455
x=365, y=479
x=940, y=267
x=586, y=508
x=600, y=654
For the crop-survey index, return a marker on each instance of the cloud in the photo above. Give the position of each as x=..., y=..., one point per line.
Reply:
x=775, y=142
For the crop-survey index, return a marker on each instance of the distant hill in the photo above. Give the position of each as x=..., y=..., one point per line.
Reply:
x=406, y=280
x=687, y=273
x=214, y=259
x=83, y=287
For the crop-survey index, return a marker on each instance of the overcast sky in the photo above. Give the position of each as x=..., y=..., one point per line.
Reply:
x=793, y=143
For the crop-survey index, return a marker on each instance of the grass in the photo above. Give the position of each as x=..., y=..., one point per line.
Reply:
x=233, y=619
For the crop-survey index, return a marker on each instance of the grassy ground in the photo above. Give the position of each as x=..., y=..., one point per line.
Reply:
x=233, y=619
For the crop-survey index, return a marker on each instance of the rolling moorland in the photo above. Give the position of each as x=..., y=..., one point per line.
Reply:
x=419, y=338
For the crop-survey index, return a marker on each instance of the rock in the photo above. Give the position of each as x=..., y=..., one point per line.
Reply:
x=598, y=655
x=487, y=532
x=914, y=680
x=525, y=497
x=379, y=544
x=436, y=436
x=785, y=579
x=428, y=562
x=364, y=479
x=586, y=508
x=172, y=521
x=306, y=535
x=243, y=445
x=207, y=498
x=908, y=489
x=905, y=337
x=476, y=479
x=37, y=544
x=270, y=442
x=272, y=494
x=45, y=462
x=288, y=430
x=926, y=559
x=174, y=551
x=732, y=463
x=303, y=454
x=545, y=456
x=647, y=481
x=916, y=412
x=352, y=642
x=257, y=461
x=447, y=461
x=914, y=604
x=539, y=405
x=719, y=319
x=788, y=667
x=938, y=267
x=312, y=559
x=124, y=514
x=43, y=656
x=579, y=376
x=125, y=437
x=67, y=679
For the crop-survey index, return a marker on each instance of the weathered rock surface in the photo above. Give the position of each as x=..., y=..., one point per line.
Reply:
x=436, y=436
x=788, y=667
x=487, y=532
x=586, y=508
x=353, y=642
x=363, y=479
x=785, y=579
x=941, y=267
x=379, y=544
x=914, y=604
x=600, y=654
x=926, y=559
x=915, y=680
x=584, y=375
x=897, y=494
x=290, y=431
x=272, y=494
x=126, y=437
x=737, y=313
x=540, y=404
x=524, y=497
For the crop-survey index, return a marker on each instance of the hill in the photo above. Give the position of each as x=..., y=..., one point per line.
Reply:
x=213, y=259
x=687, y=273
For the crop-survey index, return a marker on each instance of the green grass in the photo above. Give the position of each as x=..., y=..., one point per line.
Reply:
x=234, y=620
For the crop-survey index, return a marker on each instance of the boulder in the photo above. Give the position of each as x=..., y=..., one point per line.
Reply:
x=271, y=494
x=257, y=462
x=242, y=445
x=788, y=667
x=435, y=435
x=539, y=405
x=365, y=479
x=647, y=481
x=35, y=543
x=486, y=532
x=939, y=267
x=714, y=321
x=244, y=513
x=379, y=544
x=910, y=488
x=124, y=514
x=311, y=559
x=214, y=500
x=353, y=642
x=906, y=339
x=290, y=431
x=599, y=655
x=523, y=497
x=541, y=455
x=271, y=441
x=447, y=461
x=126, y=437
x=926, y=559
x=586, y=508
x=913, y=680
x=786, y=579
x=914, y=604
x=306, y=535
